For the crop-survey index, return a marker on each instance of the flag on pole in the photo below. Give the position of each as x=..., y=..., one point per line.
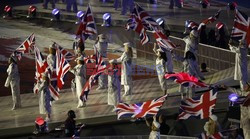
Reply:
x=210, y=19
x=26, y=47
x=241, y=27
x=140, y=110
x=87, y=26
x=200, y=107
x=67, y=54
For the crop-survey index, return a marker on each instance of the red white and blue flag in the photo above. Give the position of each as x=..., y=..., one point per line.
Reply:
x=199, y=107
x=42, y=67
x=62, y=67
x=241, y=28
x=135, y=23
x=209, y=20
x=67, y=54
x=217, y=135
x=26, y=47
x=140, y=110
x=87, y=26
x=192, y=25
x=185, y=79
x=99, y=69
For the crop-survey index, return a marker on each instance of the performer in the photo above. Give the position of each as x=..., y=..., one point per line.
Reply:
x=51, y=58
x=13, y=80
x=161, y=68
x=155, y=129
x=169, y=61
x=80, y=78
x=125, y=5
x=45, y=4
x=191, y=43
x=212, y=126
x=69, y=4
x=240, y=70
x=70, y=124
x=126, y=60
x=190, y=66
x=101, y=47
x=114, y=86
x=44, y=96
x=117, y=4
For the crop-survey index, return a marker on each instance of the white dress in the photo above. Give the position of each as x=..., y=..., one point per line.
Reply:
x=191, y=45
x=80, y=79
x=161, y=70
x=44, y=98
x=51, y=60
x=13, y=80
x=114, y=88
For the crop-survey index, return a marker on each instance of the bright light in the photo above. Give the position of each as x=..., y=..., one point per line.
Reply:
x=7, y=11
x=106, y=16
x=55, y=11
x=233, y=97
x=106, y=19
x=31, y=12
x=186, y=23
x=160, y=21
x=80, y=14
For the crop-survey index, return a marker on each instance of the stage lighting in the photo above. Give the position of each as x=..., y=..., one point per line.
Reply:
x=32, y=12
x=161, y=22
x=232, y=5
x=56, y=14
x=233, y=97
x=7, y=11
x=106, y=19
x=79, y=15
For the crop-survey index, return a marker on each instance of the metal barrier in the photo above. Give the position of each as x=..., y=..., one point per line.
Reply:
x=138, y=137
x=215, y=58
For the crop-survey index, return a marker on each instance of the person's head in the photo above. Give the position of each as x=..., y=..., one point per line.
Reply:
x=128, y=49
x=52, y=49
x=12, y=59
x=80, y=60
x=190, y=55
x=71, y=114
x=213, y=118
x=203, y=66
x=243, y=43
x=80, y=46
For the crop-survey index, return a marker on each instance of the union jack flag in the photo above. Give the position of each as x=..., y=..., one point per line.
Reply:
x=241, y=28
x=135, y=23
x=26, y=47
x=42, y=67
x=162, y=40
x=200, y=107
x=209, y=20
x=68, y=55
x=62, y=67
x=87, y=26
x=140, y=110
x=217, y=135
x=99, y=69
x=146, y=19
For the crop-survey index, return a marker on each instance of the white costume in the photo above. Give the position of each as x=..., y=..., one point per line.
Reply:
x=191, y=43
x=13, y=80
x=44, y=98
x=161, y=70
x=155, y=134
x=114, y=88
x=126, y=77
x=80, y=79
x=101, y=47
x=51, y=60
x=240, y=72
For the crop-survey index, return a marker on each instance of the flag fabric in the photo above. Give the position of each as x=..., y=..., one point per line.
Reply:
x=192, y=24
x=42, y=67
x=87, y=26
x=140, y=110
x=99, y=69
x=68, y=55
x=241, y=27
x=26, y=47
x=163, y=42
x=146, y=19
x=185, y=79
x=217, y=135
x=209, y=20
x=199, y=107
x=135, y=23
x=62, y=67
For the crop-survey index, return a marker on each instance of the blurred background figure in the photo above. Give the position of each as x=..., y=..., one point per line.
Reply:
x=127, y=4
x=45, y=4
x=70, y=124
x=69, y=4
x=117, y=4
x=203, y=67
x=41, y=126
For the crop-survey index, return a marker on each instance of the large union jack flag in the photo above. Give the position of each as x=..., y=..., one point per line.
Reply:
x=67, y=54
x=42, y=67
x=62, y=67
x=199, y=107
x=135, y=23
x=100, y=68
x=241, y=28
x=87, y=26
x=26, y=47
x=140, y=110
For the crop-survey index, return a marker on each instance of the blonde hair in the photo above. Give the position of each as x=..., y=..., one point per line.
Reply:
x=130, y=51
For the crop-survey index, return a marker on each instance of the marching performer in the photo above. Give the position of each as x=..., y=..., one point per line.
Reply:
x=80, y=79
x=51, y=58
x=114, y=86
x=101, y=47
x=191, y=43
x=126, y=60
x=161, y=68
x=155, y=128
x=212, y=126
x=13, y=80
x=44, y=96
